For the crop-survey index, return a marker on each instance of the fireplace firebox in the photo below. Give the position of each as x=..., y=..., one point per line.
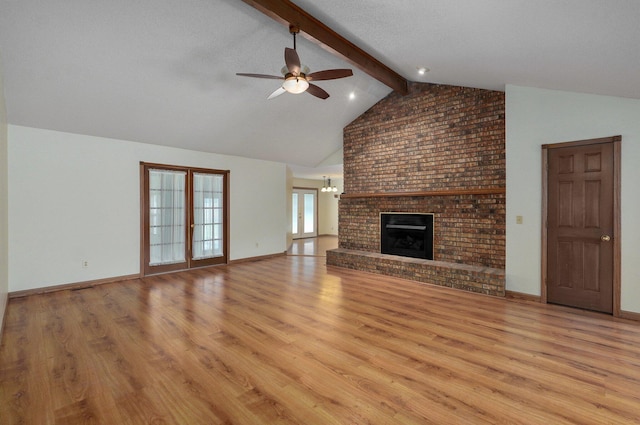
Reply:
x=407, y=234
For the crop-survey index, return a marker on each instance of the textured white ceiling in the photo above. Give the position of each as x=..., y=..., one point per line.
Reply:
x=163, y=71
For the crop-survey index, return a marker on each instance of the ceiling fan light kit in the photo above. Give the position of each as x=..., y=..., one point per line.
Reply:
x=296, y=77
x=295, y=85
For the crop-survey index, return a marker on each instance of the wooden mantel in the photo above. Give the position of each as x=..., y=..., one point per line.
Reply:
x=450, y=192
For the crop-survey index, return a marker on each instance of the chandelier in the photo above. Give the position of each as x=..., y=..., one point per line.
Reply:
x=326, y=185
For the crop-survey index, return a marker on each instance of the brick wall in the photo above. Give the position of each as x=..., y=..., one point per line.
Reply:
x=436, y=138
x=468, y=229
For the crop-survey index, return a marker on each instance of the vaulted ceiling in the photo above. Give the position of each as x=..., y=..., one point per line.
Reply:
x=163, y=71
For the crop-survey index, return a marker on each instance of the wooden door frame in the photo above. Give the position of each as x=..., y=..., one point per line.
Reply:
x=616, y=141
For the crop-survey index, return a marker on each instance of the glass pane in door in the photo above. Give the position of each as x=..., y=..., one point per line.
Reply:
x=309, y=212
x=166, y=217
x=207, y=215
x=294, y=213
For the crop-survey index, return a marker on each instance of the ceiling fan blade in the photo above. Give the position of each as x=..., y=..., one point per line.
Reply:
x=317, y=91
x=292, y=60
x=270, y=77
x=276, y=93
x=330, y=74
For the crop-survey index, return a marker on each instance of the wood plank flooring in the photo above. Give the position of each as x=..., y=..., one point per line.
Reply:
x=317, y=246
x=291, y=341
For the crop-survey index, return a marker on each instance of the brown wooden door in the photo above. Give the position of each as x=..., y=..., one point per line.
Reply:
x=580, y=226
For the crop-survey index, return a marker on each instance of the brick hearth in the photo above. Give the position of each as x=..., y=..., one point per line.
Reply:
x=484, y=280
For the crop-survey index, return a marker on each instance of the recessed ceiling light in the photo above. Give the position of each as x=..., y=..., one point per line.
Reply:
x=423, y=70
x=352, y=95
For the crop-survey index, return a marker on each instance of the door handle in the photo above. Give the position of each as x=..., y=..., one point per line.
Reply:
x=605, y=238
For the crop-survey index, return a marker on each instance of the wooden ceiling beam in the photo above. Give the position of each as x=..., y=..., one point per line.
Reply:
x=287, y=13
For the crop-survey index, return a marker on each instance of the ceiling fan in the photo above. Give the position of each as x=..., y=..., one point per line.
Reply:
x=297, y=78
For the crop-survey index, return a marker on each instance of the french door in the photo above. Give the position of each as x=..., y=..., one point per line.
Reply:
x=304, y=222
x=184, y=214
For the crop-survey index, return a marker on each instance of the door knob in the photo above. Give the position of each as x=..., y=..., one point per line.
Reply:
x=605, y=238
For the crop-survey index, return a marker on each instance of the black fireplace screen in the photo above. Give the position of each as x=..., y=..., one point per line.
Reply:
x=408, y=235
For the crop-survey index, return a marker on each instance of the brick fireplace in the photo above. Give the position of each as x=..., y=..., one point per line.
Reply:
x=439, y=150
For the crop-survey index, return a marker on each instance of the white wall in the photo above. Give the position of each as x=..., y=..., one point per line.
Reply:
x=336, y=158
x=4, y=207
x=327, y=204
x=75, y=197
x=536, y=117
x=328, y=217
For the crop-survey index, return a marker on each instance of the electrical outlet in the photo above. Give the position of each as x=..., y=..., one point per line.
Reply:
x=85, y=264
x=518, y=219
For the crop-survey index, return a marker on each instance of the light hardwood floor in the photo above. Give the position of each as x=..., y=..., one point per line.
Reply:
x=313, y=246
x=291, y=341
